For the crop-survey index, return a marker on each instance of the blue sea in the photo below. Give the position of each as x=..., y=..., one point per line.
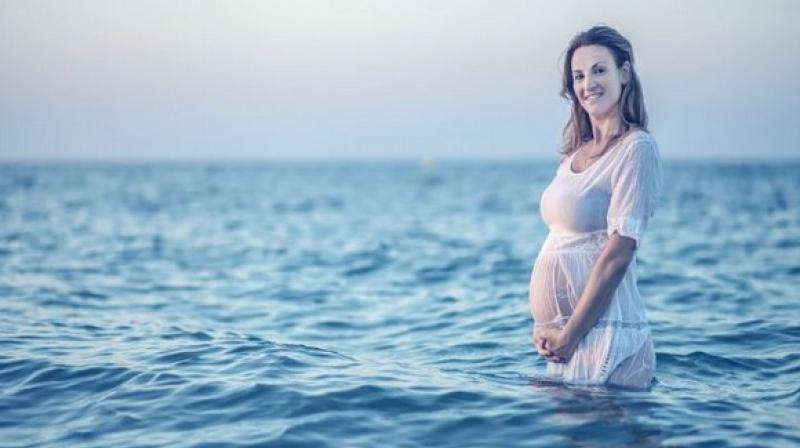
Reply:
x=362, y=304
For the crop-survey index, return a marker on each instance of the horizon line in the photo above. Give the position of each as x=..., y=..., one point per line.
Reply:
x=364, y=160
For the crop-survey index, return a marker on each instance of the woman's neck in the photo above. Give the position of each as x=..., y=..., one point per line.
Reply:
x=606, y=129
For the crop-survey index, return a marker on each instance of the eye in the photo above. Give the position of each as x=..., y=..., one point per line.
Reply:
x=600, y=70
x=577, y=77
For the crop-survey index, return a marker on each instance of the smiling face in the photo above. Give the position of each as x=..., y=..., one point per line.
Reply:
x=597, y=81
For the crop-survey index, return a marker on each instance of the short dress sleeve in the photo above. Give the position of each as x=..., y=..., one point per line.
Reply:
x=635, y=190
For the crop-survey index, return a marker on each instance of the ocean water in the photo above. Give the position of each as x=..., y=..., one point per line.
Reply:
x=375, y=304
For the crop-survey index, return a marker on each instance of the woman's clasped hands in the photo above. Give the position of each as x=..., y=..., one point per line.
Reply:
x=554, y=344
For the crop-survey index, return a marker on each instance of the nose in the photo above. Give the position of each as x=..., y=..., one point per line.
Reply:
x=589, y=82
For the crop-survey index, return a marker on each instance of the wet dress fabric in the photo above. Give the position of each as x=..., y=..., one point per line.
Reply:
x=616, y=193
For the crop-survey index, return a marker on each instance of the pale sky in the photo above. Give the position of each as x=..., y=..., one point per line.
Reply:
x=379, y=79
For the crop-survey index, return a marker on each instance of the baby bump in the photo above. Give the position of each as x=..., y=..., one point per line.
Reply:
x=549, y=295
x=556, y=283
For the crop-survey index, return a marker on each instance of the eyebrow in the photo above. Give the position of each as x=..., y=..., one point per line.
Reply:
x=593, y=66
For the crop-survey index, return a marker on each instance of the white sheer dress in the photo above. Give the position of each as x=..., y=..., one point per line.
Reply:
x=616, y=193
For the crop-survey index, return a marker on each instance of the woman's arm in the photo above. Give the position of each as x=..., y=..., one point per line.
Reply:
x=606, y=274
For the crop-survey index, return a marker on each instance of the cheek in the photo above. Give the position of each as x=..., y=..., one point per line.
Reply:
x=612, y=95
x=616, y=89
x=617, y=95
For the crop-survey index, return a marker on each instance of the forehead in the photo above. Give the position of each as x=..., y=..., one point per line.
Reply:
x=585, y=57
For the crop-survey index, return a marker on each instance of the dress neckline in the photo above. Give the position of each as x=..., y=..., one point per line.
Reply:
x=602, y=156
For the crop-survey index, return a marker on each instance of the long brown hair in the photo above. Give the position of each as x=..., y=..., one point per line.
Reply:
x=579, y=128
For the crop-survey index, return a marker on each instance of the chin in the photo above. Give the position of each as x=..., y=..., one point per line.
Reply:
x=597, y=110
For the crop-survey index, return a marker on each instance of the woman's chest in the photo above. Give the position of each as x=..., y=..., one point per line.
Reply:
x=575, y=204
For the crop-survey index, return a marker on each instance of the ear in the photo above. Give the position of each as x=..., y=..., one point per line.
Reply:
x=625, y=72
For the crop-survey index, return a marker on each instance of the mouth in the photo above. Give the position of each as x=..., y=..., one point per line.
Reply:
x=592, y=97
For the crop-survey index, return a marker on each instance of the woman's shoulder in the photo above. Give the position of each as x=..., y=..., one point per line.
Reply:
x=639, y=140
x=639, y=135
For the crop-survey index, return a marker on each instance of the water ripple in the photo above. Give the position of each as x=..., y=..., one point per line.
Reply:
x=360, y=305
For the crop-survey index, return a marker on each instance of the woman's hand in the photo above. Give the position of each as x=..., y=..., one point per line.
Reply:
x=554, y=344
x=538, y=341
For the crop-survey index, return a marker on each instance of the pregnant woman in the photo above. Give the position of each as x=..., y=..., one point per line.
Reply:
x=589, y=318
